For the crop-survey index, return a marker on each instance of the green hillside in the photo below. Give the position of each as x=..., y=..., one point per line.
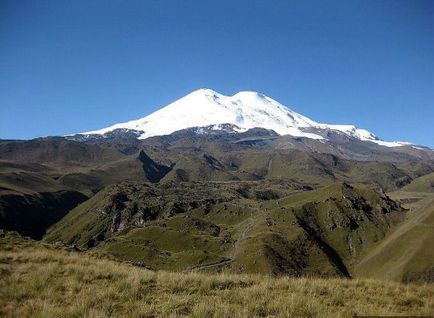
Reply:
x=407, y=254
x=255, y=227
x=421, y=184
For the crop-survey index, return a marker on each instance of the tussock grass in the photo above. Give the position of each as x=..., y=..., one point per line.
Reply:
x=40, y=281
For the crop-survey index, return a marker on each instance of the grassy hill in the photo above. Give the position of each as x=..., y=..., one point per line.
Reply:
x=421, y=184
x=38, y=280
x=407, y=254
x=254, y=227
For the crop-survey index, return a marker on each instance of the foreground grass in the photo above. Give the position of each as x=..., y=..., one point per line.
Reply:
x=40, y=281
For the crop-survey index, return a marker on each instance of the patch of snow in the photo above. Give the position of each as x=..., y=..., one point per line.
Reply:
x=421, y=148
x=363, y=134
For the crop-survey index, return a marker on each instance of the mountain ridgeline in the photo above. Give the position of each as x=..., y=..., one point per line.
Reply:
x=237, y=184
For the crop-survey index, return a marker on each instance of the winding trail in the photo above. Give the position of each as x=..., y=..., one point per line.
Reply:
x=234, y=253
x=270, y=164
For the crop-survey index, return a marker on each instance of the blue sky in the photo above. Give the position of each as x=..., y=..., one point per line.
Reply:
x=72, y=66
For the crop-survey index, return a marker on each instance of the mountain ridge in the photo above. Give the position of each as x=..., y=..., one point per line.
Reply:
x=244, y=110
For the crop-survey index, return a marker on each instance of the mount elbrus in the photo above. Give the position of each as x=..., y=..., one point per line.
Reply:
x=228, y=183
x=242, y=111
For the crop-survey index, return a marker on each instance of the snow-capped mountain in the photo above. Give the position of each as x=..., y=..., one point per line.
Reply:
x=245, y=110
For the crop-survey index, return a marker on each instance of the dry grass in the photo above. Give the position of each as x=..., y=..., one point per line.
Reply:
x=40, y=281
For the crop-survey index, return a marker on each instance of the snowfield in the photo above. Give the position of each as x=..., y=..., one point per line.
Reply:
x=246, y=110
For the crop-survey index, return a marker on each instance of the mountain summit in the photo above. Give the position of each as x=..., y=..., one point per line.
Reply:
x=244, y=110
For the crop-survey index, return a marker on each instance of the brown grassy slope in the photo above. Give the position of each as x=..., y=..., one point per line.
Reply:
x=40, y=281
x=407, y=254
x=421, y=184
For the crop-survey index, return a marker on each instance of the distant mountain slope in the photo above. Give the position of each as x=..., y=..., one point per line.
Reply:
x=42, y=180
x=56, y=163
x=244, y=110
x=256, y=154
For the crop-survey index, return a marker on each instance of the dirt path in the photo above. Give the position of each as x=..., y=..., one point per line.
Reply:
x=270, y=163
x=234, y=253
x=241, y=238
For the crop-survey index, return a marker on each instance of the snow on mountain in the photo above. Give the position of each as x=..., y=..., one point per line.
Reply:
x=246, y=110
